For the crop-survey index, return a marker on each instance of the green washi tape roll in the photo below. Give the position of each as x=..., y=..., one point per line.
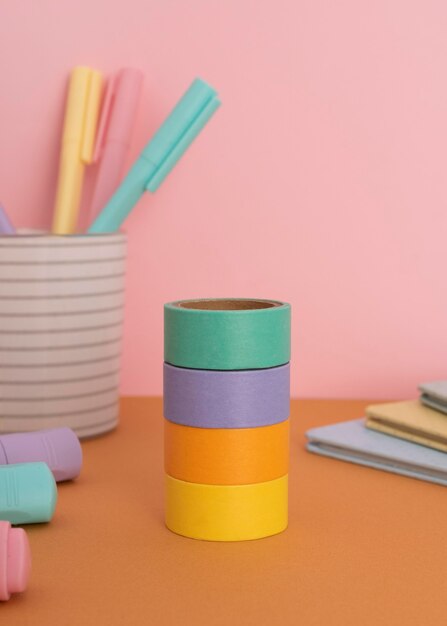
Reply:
x=227, y=334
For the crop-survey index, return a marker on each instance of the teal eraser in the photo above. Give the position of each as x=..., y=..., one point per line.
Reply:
x=28, y=493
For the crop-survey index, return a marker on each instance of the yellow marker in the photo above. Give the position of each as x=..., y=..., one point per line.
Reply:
x=81, y=117
x=226, y=512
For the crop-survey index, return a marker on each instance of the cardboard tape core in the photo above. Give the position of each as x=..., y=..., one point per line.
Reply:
x=228, y=305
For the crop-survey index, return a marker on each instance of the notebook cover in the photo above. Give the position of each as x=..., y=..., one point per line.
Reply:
x=352, y=442
x=409, y=420
x=434, y=395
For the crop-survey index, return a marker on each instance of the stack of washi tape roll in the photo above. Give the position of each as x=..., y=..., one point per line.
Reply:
x=226, y=408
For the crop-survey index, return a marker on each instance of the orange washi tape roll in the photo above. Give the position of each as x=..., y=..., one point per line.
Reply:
x=226, y=456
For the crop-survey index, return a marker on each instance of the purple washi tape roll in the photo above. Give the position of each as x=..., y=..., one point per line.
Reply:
x=226, y=399
x=59, y=448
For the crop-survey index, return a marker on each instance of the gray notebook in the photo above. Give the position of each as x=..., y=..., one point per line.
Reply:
x=351, y=441
x=434, y=395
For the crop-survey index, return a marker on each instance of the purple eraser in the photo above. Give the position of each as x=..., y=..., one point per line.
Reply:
x=59, y=448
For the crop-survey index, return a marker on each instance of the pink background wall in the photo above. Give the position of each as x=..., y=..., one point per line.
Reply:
x=320, y=181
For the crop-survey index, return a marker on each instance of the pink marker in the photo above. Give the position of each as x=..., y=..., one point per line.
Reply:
x=114, y=133
x=15, y=560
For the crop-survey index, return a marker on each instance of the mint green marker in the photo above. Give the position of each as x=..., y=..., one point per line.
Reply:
x=160, y=155
x=28, y=493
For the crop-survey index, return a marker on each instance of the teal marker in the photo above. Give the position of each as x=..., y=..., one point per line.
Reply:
x=28, y=493
x=160, y=155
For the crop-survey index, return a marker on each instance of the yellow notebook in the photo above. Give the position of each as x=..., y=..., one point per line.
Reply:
x=409, y=420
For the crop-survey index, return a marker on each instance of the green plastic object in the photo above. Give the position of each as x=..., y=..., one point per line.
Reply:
x=28, y=493
x=227, y=334
x=169, y=143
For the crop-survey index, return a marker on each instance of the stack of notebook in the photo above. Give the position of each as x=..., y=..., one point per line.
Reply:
x=408, y=438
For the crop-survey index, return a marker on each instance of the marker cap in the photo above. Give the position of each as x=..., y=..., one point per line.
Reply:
x=28, y=493
x=59, y=448
x=119, y=109
x=15, y=560
x=178, y=131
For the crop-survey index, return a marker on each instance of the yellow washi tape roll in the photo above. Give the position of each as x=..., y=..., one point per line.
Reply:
x=226, y=512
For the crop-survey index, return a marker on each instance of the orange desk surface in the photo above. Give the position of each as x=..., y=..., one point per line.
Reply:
x=363, y=547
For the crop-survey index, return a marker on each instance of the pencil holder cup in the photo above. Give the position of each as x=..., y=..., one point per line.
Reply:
x=61, y=314
x=226, y=409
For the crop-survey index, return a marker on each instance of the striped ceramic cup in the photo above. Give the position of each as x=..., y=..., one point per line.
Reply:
x=61, y=314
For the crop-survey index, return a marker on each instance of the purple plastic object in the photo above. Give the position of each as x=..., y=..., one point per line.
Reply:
x=226, y=399
x=6, y=228
x=59, y=448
